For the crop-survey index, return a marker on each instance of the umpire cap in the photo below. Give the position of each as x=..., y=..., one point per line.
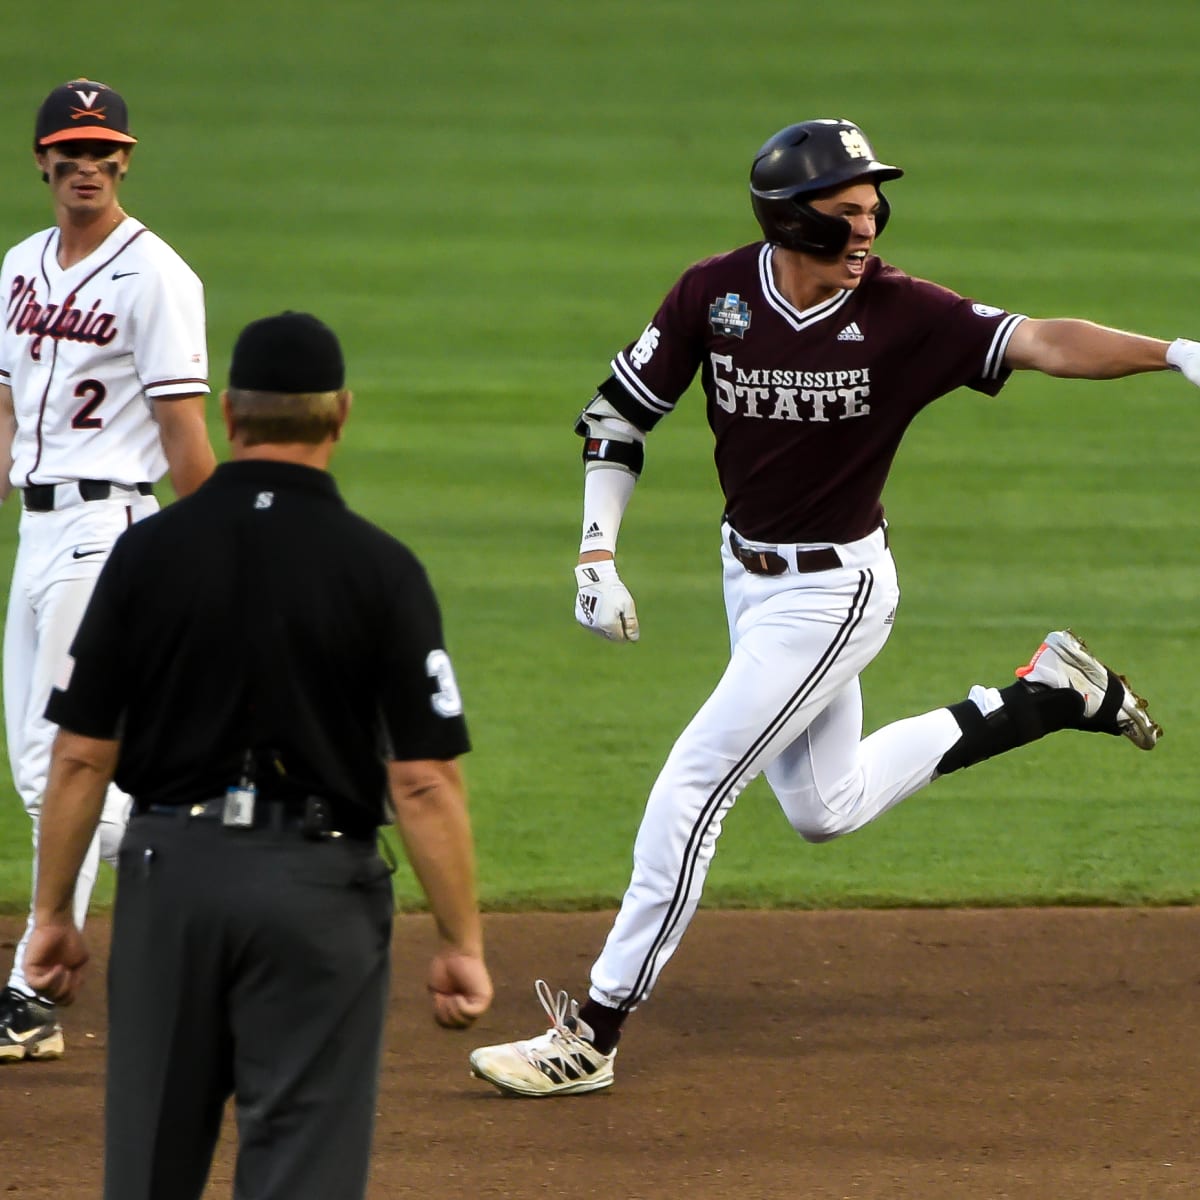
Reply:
x=292, y=352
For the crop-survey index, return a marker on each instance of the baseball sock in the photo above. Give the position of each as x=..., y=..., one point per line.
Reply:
x=1029, y=711
x=605, y=1024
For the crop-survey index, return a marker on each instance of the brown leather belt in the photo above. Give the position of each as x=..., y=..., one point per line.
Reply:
x=767, y=562
x=39, y=497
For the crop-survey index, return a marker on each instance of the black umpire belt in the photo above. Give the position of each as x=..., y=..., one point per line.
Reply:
x=40, y=497
x=770, y=562
x=311, y=817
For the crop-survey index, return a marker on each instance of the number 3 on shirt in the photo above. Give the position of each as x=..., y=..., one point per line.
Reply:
x=447, y=701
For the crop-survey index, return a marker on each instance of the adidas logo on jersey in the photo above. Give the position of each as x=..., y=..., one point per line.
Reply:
x=593, y=531
x=851, y=333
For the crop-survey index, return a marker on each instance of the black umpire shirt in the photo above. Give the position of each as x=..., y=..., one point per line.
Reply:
x=260, y=614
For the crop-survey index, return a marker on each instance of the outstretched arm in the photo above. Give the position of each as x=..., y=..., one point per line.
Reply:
x=1075, y=349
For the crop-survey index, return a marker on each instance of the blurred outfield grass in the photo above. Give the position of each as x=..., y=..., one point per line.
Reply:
x=488, y=199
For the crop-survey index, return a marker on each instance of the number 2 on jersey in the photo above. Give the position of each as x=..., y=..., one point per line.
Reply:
x=92, y=391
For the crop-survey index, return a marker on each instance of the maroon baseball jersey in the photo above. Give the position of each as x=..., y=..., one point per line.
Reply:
x=808, y=408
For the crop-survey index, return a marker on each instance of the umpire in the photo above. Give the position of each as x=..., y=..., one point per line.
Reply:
x=261, y=669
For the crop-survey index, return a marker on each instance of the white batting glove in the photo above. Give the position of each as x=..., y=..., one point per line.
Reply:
x=1184, y=357
x=604, y=604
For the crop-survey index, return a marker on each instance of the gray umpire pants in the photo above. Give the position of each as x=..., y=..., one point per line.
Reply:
x=250, y=963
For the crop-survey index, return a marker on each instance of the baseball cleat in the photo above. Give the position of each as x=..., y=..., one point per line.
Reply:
x=561, y=1062
x=28, y=1028
x=1110, y=705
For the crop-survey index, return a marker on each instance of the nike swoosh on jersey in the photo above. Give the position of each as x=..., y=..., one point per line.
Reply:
x=77, y=553
x=122, y=274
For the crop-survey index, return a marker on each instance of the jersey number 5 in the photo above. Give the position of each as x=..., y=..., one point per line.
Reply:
x=92, y=392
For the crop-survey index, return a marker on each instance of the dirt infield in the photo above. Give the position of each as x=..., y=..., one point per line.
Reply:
x=1006, y=1055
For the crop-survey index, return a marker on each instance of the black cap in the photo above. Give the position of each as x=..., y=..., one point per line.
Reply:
x=82, y=110
x=292, y=353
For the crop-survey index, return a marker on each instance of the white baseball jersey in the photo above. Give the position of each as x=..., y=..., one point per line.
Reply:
x=85, y=352
x=86, y=349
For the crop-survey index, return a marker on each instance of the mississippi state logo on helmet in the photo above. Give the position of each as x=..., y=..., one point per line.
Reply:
x=798, y=163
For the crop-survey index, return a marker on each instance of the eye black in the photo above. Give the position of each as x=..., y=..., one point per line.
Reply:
x=87, y=149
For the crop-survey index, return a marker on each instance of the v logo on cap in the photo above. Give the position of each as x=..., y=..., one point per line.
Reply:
x=82, y=109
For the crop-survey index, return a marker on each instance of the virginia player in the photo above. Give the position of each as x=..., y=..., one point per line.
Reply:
x=103, y=376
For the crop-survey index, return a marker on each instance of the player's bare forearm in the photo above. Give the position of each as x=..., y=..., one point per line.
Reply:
x=184, y=433
x=431, y=817
x=8, y=431
x=80, y=771
x=1074, y=349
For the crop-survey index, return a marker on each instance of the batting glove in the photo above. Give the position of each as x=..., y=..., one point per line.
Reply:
x=604, y=604
x=1184, y=357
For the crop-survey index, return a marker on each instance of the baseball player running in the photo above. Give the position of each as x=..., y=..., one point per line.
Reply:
x=103, y=375
x=814, y=357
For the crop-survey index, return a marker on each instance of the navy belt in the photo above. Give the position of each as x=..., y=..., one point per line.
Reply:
x=39, y=497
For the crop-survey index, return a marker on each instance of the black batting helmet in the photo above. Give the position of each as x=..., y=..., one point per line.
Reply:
x=801, y=161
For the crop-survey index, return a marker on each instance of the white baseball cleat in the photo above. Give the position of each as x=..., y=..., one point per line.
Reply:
x=1110, y=705
x=561, y=1062
x=28, y=1028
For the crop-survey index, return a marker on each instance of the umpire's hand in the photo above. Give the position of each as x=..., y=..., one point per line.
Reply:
x=54, y=961
x=461, y=988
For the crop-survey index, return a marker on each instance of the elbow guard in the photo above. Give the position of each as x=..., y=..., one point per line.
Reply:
x=630, y=455
x=609, y=439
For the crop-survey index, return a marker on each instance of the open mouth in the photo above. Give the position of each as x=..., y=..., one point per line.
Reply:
x=856, y=260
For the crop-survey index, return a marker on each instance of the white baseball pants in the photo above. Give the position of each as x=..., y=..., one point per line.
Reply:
x=788, y=705
x=59, y=556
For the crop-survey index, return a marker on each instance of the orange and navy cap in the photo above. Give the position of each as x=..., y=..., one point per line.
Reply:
x=82, y=110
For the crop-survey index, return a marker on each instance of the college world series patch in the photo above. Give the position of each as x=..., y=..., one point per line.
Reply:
x=730, y=315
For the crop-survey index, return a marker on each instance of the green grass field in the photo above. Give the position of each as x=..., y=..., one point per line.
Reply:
x=488, y=199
